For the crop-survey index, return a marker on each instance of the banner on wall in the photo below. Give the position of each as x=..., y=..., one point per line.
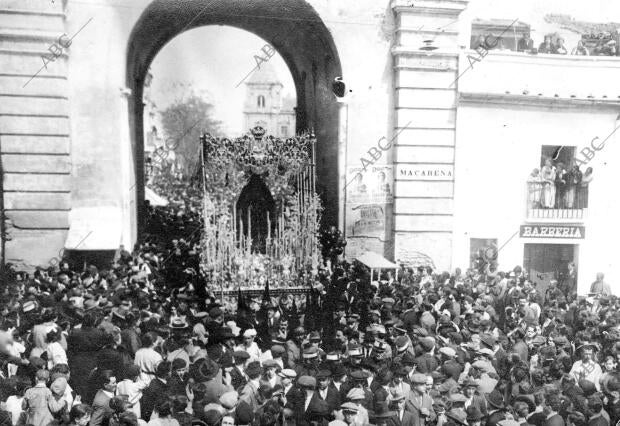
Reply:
x=368, y=209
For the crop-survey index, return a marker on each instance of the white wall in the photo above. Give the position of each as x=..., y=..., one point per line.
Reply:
x=498, y=146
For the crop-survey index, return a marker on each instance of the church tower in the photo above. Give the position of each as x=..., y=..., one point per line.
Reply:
x=264, y=105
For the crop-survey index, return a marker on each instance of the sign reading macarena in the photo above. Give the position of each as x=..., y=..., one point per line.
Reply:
x=552, y=231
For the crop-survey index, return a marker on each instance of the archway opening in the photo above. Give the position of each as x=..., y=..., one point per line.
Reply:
x=295, y=31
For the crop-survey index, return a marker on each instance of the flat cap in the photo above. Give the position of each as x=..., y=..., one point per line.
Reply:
x=447, y=351
x=323, y=374
x=229, y=400
x=287, y=372
x=356, y=394
x=270, y=363
x=307, y=382
x=250, y=332
x=418, y=379
x=277, y=350
x=349, y=407
x=359, y=375
x=241, y=355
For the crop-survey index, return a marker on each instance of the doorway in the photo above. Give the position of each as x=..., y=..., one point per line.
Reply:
x=546, y=262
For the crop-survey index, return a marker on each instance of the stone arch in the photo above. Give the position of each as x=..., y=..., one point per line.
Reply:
x=294, y=29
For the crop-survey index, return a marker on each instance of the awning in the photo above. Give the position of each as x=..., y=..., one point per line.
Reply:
x=94, y=228
x=153, y=198
x=376, y=261
x=415, y=259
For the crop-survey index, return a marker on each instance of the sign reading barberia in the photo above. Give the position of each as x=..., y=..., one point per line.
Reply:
x=552, y=231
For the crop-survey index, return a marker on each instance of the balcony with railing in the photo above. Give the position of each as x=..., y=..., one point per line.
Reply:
x=548, y=201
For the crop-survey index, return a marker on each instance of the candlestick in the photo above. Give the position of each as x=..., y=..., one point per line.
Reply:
x=250, y=227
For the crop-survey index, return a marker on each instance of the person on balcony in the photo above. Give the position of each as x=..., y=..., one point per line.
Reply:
x=526, y=44
x=548, y=176
x=480, y=43
x=580, y=49
x=546, y=46
x=560, y=49
x=560, y=185
x=573, y=179
x=534, y=189
x=582, y=192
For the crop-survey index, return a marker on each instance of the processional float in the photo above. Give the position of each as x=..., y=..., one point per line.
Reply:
x=261, y=212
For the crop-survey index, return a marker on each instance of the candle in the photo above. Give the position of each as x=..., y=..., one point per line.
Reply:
x=249, y=227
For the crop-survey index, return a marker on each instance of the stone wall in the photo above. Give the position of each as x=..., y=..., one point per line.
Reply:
x=34, y=130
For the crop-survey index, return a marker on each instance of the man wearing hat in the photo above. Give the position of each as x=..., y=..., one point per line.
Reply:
x=309, y=403
x=382, y=391
x=326, y=392
x=404, y=416
x=294, y=347
x=339, y=379
x=353, y=322
x=237, y=372
x=458, y=416
x=277, y=353
x=310, y=365
x=587, y=368
x=474, y=416
x=270, y=375
x=419, y=403
x=360, y=382
x=354, y=356
x=402, y=344
x=350, y=411
x=398, y=381
x=249, y=393
x=287, y=376
x=314, y=341
x=427, y=362
x=225, y=338
x=178, y=382
x=356, y=397
x=272, y=323
x=495, y=403
x=470, y=390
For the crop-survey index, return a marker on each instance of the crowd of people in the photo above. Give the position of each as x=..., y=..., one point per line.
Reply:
x=145, y=340
x=602, y=45
x=558, y=186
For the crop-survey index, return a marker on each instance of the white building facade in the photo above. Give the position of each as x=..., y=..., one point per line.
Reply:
x=265, y=104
